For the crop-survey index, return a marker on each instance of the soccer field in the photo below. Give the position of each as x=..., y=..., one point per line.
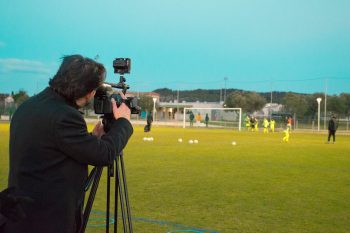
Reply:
x=258, y=185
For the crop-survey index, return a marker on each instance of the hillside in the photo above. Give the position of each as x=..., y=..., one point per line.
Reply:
x=203, y=95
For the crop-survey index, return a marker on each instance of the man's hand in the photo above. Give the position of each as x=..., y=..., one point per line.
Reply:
x=98, y=130
x=11, y=205
x=122, y=110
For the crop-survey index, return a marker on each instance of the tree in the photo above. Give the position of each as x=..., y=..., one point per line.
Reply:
x=346, y=98
x=146, y=103
x=2, y=107
x=248, y=101
x=336, y=104
x=20, y=97
x=295, y=103
x=255, y=102
x=312, y=106
x=236, y=100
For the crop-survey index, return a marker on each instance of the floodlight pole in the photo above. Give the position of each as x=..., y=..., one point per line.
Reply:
x=154, y=108
x=318, y=115
x=325, y=105
x=225, y=89
x=177, y=106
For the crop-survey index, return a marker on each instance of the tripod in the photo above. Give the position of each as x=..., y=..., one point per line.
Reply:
x=120, y=190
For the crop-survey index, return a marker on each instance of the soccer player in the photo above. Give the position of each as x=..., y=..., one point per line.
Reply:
x=198, y=119
x=256, y=124
x=206, y=120
x=191, y=119
x=272, y=125
x=286, y=134
x=247, y=122
x=252, y=124
x=266, y=125
x=289, y=123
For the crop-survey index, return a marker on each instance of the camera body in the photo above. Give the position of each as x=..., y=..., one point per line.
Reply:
x=104, y=94
x=103, y=104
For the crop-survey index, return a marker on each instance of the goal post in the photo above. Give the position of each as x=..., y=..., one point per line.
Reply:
x=217, y=117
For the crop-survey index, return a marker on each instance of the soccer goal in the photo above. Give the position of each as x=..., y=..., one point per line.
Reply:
x=213, y=117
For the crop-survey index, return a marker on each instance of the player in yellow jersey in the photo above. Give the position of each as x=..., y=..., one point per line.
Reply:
x=272, y=125
x=286, y=134
x=266, y=125
x=247, y=122
x=256, y=125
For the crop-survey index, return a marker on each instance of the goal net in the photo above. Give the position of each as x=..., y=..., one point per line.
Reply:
x=213, y=117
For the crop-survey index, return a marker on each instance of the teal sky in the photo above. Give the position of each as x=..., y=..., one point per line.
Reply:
x=295, y=45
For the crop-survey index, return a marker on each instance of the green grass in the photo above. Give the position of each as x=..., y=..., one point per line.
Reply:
x=259, y=185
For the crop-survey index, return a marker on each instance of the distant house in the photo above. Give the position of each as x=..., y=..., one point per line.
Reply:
x=270, y=108
x=7, y=106
x=3, y=96
x=9, y=100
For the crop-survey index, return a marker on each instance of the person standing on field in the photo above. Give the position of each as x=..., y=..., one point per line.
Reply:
x=149, y=122
x=332, y=128
x=286, y=134
x=289, y=123
x=272, y=125
x=191, y=118
x=266, y=125
x=206, y=120
x=247, y=122
x=256, y=124
x=198, y=119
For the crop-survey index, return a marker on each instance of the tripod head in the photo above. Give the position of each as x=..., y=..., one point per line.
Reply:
x=121, y=85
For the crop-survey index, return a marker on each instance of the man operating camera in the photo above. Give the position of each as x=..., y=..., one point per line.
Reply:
x=50, y=148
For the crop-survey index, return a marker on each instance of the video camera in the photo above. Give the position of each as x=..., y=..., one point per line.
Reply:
x=104, y=94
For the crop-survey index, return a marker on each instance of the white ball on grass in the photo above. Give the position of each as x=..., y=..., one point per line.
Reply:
x=190, y=141
x=195, y=141
x=179, y=140
x=234, y=143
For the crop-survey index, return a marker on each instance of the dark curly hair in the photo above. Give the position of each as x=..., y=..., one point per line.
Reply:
x=77, y=76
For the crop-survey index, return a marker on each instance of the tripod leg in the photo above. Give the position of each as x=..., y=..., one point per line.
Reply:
x=90, y=179
x=116, y=193
x=90, y=201
x=121, y=195
x=126, y=193
x=108, y=198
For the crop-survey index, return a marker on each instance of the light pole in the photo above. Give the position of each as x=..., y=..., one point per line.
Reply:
x=177, y=106
x=325, y=106
x=225, y=89
x=318, y=115
x=154, y=107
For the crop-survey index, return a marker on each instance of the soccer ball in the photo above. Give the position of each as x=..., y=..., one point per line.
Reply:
x=190, y=141
x=195, y=141
x=234, y=143
x=179, y=140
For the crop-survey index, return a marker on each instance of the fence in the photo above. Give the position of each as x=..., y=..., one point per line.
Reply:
x=343, y=124
x=306, y=123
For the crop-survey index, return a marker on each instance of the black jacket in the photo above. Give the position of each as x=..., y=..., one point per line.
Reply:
x=332, y=125
x=50, y=149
